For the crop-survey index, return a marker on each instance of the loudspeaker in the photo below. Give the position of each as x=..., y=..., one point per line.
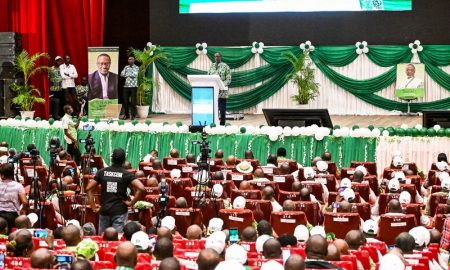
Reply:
x=6, y=95
x=298, y=117
x=10, y=45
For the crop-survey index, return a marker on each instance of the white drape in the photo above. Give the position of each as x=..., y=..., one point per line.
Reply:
x=332, y=97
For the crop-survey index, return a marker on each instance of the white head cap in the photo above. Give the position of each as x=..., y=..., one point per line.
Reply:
x=217, y=190
x=346, y=183
x=397, y=161
x=394, y=185
x=308, y=173
x=361, y=169
x=227, y=265
x=349, y=195
x=216, y=241
x=318, y=230
x=239, y=202
x=399, y=175
x=445, y=184
x=391, y=262
x=405, y=197
x=272, y=265
x=140, y=240
x=260, y=242
x=301, y=233
x=322, y=166
x=420, y=235
x=237, y=253
x=442, y=165
x=175, y=174
x=215, y=224
x=168, y=222
x=370, y=227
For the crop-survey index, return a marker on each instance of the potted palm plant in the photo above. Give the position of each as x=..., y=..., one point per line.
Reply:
x=302, y=76
x=146, y=57
x=27, y=94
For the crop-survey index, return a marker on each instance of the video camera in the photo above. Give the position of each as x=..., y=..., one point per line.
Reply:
x=88, y=141
x=204, y=149
x=163, y=189
x=53, y=149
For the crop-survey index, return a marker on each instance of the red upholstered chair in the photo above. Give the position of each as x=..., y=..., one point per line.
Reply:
x=315, y=189
x=332, y=168
x=284, y=181
x=433, y=178
x=285, y=222
x=410, y=166
x=345, y=265
x=177, y=186
x=311, y=209
x=144, y=216
x=253, y=194
x=228, y=186
x=211, y=209
x=435, y=200
x=433, y=166
x=152, y=190
x=413, y=209
x=288, y=195
x=388, y=172
x=145, y=166
x=380, y=246
x=363, y=209
x=362, y=189
x=328, y=180
x=187, y=169
x=293, y=166
x=154, y=199
x=439, y=221
x=373, y=183
x=333, y=195
x=341, y=223
x=236, y=218
x=253, y=162
x=373, y=253
x=40, y=172
x=171, y=163
x=190, y=193
x=190, y=243
x=347, y=172
x=261, y=209
x=392, y=225
x=259, y=262
x=296, y=250
x=249, y=246
x=99, y=265
x=214, y=162
x=411, y=188
x=27, y=162
x=185, y=217
x=352, y=259
x=435, y=189
x=384, y=199
x=13, y=262
x=370, y=166
x=269, y=170
x=238, y=177
x=105, y=246
x=229, y=168
x=363, y=256
x=158, y=174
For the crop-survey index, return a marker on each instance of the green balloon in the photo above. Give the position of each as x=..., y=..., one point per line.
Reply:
x=371, y=127
x=447, y=132
x=51, y=121
x=355, y=127
x=227, y=124
x=391, y=131
x=37, y=119
x=431, y=132
x=408, y=132
x=423, y=132
x=97, y=120
x=148, y=122
x=441, y=132
x=337, y=127
x=400, y=132
x=84, y=119
x=121, y=122
x=18, y=117
x=134, y=122
x=381, y=130
x=179, y=124
x=414, y=132
x=243, y=130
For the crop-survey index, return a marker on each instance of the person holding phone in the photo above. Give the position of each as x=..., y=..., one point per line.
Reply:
x=12, y=195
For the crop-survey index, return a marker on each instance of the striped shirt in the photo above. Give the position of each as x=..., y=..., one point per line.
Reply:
x=9, y=195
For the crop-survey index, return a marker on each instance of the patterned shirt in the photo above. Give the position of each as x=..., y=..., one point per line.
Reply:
x=9, y=195
x=55, y=79
x=224, y=72
x=82, y=90
x=445, y=239
x=131, y=75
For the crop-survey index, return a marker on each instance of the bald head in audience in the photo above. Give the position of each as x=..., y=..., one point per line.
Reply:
x=342, y=246
x=345, y=207
x=181, y=202
x=272, y=249
x=355, y=239
x=394, y=206
x=71, y=236
x=208, y=259
x=219, y=153
x=81, y=265
x=358, y=177
x=110, y=234
x=296, y=186
x=169, y=264
x=258, y=173
x=23, y=222
x=435, y=236
x=231, y=160
x=194, y=232
x=333, y=253
x=326, y=156
x=42, y=259
x=126, y=255
x=164, y=232
x=245, y=185
x=268, y=193
x=316, y=247
x=163, y=249
x=190, y=158
x=305, y=194
x=218, y=175
x=284, y=168
x=249, y=234
x=405, y=242
x=174, y=153
x=156, y=165
x=288, y=205
x=294, y=262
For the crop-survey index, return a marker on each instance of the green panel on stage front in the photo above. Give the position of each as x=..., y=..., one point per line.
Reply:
x=410, y=93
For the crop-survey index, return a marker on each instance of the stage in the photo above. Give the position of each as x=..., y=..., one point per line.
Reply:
x=341, y=120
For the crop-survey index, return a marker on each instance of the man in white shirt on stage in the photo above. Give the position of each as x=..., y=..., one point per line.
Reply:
x=411, y=82
x=68, y=75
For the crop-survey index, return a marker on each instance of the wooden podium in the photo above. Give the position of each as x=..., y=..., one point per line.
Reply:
x=204, y=99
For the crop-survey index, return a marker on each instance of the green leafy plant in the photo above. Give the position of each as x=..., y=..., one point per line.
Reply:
x=302, y=76
x=27, y=94
x=146, y=58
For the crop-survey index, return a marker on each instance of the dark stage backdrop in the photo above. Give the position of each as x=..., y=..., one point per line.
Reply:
x=429, y=22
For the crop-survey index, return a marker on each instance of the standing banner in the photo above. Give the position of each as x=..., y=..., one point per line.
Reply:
x=410, y=81
x=103, y=93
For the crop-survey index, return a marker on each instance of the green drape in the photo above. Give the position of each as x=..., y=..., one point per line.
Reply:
x=138, y=144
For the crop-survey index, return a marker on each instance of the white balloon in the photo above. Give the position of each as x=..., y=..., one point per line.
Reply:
x=345, y=131
x=254, y=50
x=318, y=136
x=273, y=137
x=287, y=131
x=404, y=126
x=376, y=132
x=437, y=127
x=418, y=126
x=385, y=133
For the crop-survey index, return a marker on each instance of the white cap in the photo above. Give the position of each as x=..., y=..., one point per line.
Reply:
x=216, y=241
x=244, y=167
x=399, y=175
x=370, y=227
x=442, y=165
x=394, y=185
x=140, y=240
x=349, y=195
x=322, y=166
x=215, y=224
x=362, y=169
x=168, y=222
x=272, y=265
x=239, y=202
x=346, y=183
x=75, y=223
x=421, y=235
x=405, y=197
x=260, y=242
x=301, y=233
x=58, y=57
x=217, y=190
x=397, y=161
x=237, y=253
x=175, y=173
x=445, y=183
x=318, y=230
x=34, y=218
x=391, y=262
x=308, y=172
x=227, y=265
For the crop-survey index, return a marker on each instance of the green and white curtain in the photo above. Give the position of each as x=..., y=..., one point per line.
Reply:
x=350, y=83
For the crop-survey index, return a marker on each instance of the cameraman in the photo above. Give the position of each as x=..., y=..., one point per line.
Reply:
x=114, y=181
x=70, y=133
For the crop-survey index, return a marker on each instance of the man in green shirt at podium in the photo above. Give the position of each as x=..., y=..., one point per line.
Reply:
x=224, y=72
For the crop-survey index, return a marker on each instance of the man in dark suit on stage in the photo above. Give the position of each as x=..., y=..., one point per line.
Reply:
x=102, y=83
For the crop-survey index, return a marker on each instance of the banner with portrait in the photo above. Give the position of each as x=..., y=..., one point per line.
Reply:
x=410, y=81
x=103, y=93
